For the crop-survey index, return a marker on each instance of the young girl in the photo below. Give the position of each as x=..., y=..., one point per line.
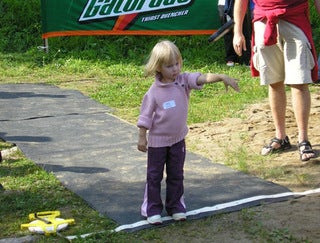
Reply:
x=164, y=114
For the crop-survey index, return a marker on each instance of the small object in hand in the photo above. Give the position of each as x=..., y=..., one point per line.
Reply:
x=224, y=29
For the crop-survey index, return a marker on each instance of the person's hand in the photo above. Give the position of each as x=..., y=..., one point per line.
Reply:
x=239, y=43
x=142, y=144
x=228, y=81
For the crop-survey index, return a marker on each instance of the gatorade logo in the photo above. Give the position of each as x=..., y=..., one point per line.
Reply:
x=102, y=9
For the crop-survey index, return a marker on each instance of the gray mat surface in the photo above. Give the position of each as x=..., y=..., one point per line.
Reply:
x=94, y=153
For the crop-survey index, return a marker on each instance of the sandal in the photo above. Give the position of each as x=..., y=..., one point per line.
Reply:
x=284, y=145
x=306, y=149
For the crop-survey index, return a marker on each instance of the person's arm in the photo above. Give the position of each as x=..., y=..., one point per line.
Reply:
x=213, y=78
x=317, y=4
x=239, y=12
x=142, y=141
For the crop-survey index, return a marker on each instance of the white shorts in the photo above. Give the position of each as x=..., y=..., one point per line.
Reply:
x=290, y=60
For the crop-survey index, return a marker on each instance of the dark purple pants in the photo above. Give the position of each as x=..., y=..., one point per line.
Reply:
x=173, y=158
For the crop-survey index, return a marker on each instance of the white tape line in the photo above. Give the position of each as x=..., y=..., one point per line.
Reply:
x=72, y=237
x=208, y=209
x=222, y=206
x=138, y=224
x=250, y=199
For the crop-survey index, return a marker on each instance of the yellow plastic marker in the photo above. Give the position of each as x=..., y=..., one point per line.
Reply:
x=47, y=222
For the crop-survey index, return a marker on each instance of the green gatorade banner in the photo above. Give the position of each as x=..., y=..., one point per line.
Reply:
x=128, y=17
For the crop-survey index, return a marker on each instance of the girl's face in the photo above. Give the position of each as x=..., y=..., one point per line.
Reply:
x=169, y=71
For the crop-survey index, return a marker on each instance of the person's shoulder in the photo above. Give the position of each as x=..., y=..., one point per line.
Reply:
x=190, y=75
x=182, y=77
x=187, y=74
x=188, y=78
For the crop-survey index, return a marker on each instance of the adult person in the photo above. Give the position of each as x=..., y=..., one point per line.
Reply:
x=231, y=56
x=283, y=54
x=225, y=9
x=1, y=187
x=317, y=3
x=318, y=69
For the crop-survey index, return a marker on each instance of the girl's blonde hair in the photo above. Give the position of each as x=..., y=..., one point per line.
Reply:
x=163, y=52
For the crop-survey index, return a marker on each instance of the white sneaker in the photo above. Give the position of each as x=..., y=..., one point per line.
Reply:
x=155, y=219
x=179, y=216
x=230, y=64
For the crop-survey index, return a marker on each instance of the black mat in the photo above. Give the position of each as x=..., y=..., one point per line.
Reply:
x=94, y=154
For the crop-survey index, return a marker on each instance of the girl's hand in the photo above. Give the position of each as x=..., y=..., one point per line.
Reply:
x=142, y=141
x=214, y=78
x=142, y=145
x=228, y=81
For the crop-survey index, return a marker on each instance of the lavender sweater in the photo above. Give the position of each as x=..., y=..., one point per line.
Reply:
x=164, y=110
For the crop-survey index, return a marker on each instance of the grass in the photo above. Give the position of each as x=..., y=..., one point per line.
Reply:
x=31, y=189
x=111, y=73
x=121, y=84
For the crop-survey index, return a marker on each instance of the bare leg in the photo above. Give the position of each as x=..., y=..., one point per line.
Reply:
x=301, y=102
x=278, y=103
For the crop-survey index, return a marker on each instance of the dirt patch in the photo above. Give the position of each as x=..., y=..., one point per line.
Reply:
x=234, y=140
x=296, y=220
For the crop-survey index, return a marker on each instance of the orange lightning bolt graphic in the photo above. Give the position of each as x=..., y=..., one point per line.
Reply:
x=123, y=21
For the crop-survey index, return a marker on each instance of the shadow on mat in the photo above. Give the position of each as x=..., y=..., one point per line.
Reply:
x=75, y=169
x=15, y=95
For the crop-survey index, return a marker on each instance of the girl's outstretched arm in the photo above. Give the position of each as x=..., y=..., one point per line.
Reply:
x=214, y=78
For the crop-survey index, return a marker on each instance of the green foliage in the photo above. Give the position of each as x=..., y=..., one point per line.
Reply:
x=20, y=26
x=315, y=23
x=30, y=189
x=196, y=50
x=20, y=30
